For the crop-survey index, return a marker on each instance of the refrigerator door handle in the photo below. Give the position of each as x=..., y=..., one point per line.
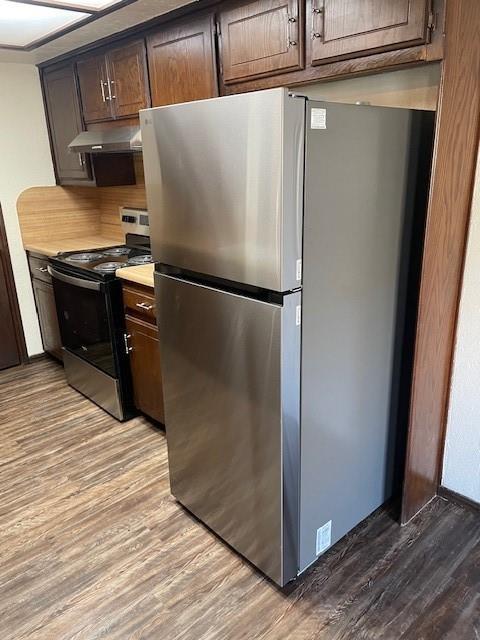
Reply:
x=261, y=295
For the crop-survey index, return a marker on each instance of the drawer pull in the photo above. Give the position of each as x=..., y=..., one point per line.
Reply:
x=145, y=306
x=42, y=269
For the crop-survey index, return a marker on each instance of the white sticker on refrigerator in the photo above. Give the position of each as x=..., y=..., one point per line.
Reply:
x=298, y=315
x=299, y=270
x=318, y=118
x=324, y=537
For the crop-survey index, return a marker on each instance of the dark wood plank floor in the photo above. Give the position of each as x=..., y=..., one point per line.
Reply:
x=93, y=546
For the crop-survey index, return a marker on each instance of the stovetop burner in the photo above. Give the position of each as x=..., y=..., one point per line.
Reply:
x=137, y=260
x=108, y=267
x=85, y=257
x=102, y=264
x=116, y=251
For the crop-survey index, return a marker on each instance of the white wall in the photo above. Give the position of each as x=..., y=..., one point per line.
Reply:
x=461, y=463
x=25, y=161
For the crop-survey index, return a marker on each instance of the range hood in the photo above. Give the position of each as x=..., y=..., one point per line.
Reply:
x=115, y=140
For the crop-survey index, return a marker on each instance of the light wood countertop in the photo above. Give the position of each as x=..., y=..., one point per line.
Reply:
x=142, y=274
x=53, y=246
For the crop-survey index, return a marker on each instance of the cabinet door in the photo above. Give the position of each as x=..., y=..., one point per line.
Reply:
x=259, y=38
x=9, y=351
x=47, y=315
x=181, y=59
x=127, y=74
x=65, y=120
x=145, y=367
x=349, y=28
x=93, y=80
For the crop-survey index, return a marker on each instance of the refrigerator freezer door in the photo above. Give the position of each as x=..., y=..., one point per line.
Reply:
x=231, y=387
x=224, y=181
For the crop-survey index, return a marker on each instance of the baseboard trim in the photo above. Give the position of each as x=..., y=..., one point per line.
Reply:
x=453, y=496
x=37, y=356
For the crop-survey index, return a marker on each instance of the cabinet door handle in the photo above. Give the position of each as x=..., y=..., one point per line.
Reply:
x=145, y=306
x=318, y=11
x=112, y=95
x=128, y=348
x=290, y=41
x=80, y=159
x=41, y=269
x=109, y=97
x=102, y=88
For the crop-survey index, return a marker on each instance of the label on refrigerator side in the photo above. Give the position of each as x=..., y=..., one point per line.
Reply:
x=324, y=538
x=318, y=118
x=299, y=270
x=298, y=315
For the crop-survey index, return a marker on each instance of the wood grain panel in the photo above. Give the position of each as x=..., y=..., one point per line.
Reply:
x=448, y=214
x=12, y=342
x=127, y=72
x=47, y=213
x=9, y=351
x=181, y=58
x=260, y=37
x=139, y=301
x=351, y=27
x=146, y=369
x=93, y=546
x=366, y=64
x=93, y=81
x=47, y=315
x=65, y=122
x=110, y=199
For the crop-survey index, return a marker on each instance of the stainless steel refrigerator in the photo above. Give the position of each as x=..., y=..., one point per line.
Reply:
x=282, y=232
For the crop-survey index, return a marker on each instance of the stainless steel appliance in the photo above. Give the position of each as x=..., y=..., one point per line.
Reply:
x=117, y=140
x=90, y=312
x=282, y=235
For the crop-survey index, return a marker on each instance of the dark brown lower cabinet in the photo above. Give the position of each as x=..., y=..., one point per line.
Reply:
x=145, y=364
x=45, y=303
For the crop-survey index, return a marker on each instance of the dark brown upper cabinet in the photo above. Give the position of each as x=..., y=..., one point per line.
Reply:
x=350, y=28
x=181, y=61
x=94, y=89
x=65, y=122
x=114, y=84
x=260, y=38
x=127, y=74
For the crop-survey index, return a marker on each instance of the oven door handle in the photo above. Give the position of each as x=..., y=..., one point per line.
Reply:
x=77, y=282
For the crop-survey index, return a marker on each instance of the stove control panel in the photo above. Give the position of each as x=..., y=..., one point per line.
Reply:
x=135, y=221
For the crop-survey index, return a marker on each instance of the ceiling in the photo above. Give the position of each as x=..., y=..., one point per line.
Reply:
x=20, y=24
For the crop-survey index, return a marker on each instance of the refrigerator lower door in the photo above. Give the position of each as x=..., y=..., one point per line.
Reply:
x=231, y=375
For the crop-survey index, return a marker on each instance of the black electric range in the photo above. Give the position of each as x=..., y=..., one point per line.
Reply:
x=89, y=303
x=102, y=263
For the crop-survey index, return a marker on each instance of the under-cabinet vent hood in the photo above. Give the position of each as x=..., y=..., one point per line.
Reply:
x=115, y=140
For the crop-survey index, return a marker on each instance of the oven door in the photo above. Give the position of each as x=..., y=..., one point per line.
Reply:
x=85, y=322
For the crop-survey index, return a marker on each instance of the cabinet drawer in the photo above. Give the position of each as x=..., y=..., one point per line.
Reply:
x=140, y=302
x=38, y=268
